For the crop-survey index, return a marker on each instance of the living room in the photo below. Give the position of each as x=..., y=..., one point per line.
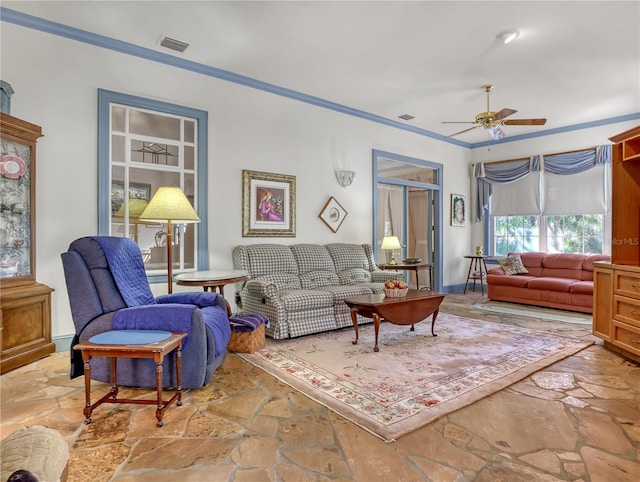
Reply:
x=56, y=73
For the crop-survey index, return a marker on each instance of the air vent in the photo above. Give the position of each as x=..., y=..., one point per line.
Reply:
x=406, y=117
x=173, y=44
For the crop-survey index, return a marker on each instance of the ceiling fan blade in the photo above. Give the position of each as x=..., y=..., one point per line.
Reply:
x=504, y=113
x=524, y=122
x=466, y=130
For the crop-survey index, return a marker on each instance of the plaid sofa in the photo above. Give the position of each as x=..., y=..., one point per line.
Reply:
x=301, y=288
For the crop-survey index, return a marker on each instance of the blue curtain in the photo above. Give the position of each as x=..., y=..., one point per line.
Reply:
x=499, y=172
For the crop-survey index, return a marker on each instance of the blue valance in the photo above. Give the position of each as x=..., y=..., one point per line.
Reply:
x=489, y=173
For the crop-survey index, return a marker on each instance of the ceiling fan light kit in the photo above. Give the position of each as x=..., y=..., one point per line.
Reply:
x=492, y=121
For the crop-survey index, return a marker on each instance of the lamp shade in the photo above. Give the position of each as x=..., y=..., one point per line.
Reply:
x=170, y=204
x=391, y=242
x=136, y=208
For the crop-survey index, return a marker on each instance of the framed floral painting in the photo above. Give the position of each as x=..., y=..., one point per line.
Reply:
x=268, y=204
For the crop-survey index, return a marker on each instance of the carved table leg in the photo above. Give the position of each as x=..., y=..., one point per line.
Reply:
x=159, y=390
x=376, y=327
x=433, y=321
x=354, y=320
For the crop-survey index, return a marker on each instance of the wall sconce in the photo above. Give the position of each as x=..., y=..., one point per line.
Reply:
x=345, y=178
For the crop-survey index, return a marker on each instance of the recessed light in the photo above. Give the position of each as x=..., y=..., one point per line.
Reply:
x=406, y=117
x=507, y=36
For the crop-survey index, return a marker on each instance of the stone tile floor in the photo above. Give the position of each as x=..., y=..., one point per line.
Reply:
x=576, y=420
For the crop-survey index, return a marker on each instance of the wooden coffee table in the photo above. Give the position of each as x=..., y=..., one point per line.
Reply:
x=413, y=308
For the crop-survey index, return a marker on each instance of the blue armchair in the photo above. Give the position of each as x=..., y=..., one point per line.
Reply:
x=108, y=289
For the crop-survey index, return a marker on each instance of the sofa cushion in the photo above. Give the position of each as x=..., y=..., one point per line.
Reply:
x=551, y=284
x=265, y=259
x=571, y=261
x=346, y=256
x=520, y=281
x=587, y=265
x=354, y=276
x=317, y=279
x=582, y=287
x=283, y=281
x=340, y=293
x=532, y=261
x=305, y=300
x=512, y=264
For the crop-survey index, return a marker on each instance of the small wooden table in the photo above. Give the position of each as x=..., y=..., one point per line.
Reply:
x=155, y=350
x=479, y=267
x=211, y=280
x=413, y=308
x=411, y=267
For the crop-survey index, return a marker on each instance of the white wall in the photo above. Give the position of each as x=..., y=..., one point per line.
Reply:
x=56, y=81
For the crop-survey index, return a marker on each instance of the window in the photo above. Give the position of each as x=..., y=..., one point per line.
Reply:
x=144, y=145
x=576, y=233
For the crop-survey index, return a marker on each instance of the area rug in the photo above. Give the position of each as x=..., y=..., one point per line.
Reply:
x=535, y=312
x=415, y=378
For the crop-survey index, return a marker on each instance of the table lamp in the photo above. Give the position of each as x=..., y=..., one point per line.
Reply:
x=391, y=243
x=170, y=205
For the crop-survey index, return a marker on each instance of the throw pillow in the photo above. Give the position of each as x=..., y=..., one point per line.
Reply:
x=512, y=265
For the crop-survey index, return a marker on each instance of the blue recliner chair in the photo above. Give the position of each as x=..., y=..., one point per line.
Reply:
x=108, y=289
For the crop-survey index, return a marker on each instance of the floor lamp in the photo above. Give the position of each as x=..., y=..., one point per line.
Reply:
x=169, y=205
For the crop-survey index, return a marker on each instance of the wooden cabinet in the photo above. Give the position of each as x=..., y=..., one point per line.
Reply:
x=625, y=198
x=616, y=287
x=25, y=304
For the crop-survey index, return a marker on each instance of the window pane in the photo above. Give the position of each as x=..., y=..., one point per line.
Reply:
x=189, y=131
x=117, y=119
x=154, y=153
x=189, y=158
x=155, y=125
x=117, y=148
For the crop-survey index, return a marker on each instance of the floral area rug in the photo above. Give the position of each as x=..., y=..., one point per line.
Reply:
x=415, y=378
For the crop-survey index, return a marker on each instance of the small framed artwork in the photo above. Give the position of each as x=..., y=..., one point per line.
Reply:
x=333, y=214
x=458, y=210
x=136, y=191
x=268, y=204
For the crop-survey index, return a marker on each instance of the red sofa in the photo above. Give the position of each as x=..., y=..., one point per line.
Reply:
x=555, y=280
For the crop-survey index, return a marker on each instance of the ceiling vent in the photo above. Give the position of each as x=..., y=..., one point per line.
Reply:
x=173, y=44
x=407, y=117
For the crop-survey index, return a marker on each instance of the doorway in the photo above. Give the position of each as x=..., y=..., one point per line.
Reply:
x=408, y=204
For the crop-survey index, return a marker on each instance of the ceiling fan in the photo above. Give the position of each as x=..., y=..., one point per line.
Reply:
x=493, y=120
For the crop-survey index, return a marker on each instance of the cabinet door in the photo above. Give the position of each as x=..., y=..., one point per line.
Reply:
x=17, y=196
x=602, y=302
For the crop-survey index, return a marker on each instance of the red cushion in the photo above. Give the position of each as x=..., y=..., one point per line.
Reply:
x=582, y=287
x=517, y=280
x=563, y=260
x=553, y=284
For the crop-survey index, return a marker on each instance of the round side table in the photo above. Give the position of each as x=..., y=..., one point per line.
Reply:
x=477, y=271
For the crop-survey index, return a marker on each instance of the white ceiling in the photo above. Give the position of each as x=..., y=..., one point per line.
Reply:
x=575, y=62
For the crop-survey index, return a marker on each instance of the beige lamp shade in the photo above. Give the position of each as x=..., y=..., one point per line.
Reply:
x=391, y=242
x=170, y=204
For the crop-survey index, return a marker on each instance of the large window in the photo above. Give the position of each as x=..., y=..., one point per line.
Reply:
x=576, y=233
x=145, y=145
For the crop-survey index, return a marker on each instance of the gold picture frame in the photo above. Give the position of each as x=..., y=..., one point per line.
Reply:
x=268, y=204
x=333, y=214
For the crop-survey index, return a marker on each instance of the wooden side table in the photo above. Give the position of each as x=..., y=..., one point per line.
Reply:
x=122, y=344
x=477, y=270
x=411, y=267
x=211, y=280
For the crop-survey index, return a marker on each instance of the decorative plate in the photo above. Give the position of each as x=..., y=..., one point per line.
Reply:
x=12, y=167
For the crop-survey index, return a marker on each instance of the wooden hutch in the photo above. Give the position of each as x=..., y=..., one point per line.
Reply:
x=25, y=304
x=616, y=314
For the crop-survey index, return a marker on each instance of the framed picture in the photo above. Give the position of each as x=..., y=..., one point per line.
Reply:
x=268, y=204
x=136, y=191
x=458, y=210
x=333, y=214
